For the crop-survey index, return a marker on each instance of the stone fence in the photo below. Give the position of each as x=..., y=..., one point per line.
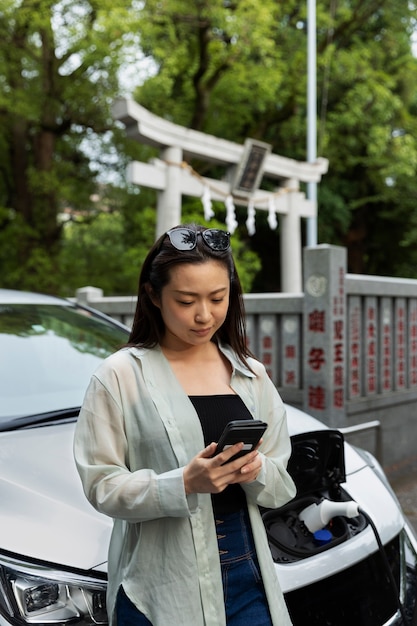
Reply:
x=345, y=350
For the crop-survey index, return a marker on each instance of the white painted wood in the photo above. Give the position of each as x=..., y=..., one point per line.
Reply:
x=150, y=129
x=173, y=177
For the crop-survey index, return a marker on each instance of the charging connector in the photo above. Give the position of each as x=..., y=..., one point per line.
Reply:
x=317, y=516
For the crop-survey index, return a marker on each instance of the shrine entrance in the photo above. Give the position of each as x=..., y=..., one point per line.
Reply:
x=245, y=165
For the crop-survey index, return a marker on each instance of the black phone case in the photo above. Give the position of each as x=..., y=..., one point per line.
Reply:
x=248, y=431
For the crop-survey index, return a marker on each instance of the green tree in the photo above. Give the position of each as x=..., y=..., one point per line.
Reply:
x=232, y=69
x=371, y=113
x=218, y=62
x=59, y=63
x=95, y=251
x=239, y=69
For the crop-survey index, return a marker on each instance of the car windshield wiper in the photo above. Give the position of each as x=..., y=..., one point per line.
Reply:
x=40, y=419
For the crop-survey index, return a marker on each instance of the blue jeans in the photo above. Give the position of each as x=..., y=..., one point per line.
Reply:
x=244, y=593
x=126, y=612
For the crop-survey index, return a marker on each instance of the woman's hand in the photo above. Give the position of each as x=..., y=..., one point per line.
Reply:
x=208, y=474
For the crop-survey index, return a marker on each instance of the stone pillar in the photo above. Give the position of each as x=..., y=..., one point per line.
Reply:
x=290, y=240
x=170, y=199
x=325, y=334
x=87, y=295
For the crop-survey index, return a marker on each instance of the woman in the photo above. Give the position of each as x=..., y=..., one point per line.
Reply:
x=188, y=545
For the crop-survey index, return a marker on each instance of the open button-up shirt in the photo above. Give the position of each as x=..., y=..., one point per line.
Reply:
x=136, y=431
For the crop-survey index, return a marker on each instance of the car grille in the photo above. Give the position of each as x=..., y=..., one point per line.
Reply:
x=360, y=595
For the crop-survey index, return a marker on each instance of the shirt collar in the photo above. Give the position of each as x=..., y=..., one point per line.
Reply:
x=225, y=349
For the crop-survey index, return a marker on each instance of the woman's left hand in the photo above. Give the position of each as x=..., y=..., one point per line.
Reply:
x=212, y=474
x=251, y=469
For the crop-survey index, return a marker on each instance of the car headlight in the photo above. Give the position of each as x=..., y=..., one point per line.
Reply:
x=37, y=594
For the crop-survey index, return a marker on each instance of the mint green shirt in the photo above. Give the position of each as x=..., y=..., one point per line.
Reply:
x=136, y=431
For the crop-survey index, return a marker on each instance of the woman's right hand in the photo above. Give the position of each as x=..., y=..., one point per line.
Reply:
x=206, y=473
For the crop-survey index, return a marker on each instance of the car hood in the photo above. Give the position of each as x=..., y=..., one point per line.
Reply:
x=44, y=514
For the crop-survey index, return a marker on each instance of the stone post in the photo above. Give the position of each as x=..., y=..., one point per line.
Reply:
x=87, y=295
x=325, y=334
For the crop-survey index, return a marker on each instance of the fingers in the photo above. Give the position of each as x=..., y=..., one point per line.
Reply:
x=241, y=470
x=206, y=473
x=251, y=470
x=225, y=457
x=208, y=451
x=258, y=444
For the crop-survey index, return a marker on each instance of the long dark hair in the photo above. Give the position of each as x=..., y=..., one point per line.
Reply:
x=148, y=327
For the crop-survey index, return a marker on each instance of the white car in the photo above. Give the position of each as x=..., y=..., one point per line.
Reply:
x=344, y=552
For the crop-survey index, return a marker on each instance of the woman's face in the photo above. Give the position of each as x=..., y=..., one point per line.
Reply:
x=194, y=303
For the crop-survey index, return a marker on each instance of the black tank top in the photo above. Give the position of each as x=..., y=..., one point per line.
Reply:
x=214, y=413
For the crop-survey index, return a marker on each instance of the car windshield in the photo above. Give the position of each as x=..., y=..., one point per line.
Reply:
x=47, y=356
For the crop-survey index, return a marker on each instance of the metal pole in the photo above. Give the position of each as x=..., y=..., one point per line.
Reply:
x=311, y=113
x=359, y=428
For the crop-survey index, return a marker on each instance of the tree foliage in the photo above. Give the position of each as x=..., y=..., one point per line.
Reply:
x=239, y=69
x=58, y=69
x=231, y=69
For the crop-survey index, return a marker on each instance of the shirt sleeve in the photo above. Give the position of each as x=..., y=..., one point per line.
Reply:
x=274, y=486
x=101, y=455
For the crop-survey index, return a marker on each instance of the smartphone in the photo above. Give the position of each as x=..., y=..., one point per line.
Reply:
x=247, y=431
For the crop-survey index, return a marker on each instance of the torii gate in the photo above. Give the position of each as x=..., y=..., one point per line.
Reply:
x=172, y=177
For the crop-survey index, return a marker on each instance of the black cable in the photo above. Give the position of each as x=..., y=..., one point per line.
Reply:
x=387, y=566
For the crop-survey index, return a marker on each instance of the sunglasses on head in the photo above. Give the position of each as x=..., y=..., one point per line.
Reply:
x=186, y=238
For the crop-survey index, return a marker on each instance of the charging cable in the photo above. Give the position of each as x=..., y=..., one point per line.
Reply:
x=386, y=566
x=317, y=516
